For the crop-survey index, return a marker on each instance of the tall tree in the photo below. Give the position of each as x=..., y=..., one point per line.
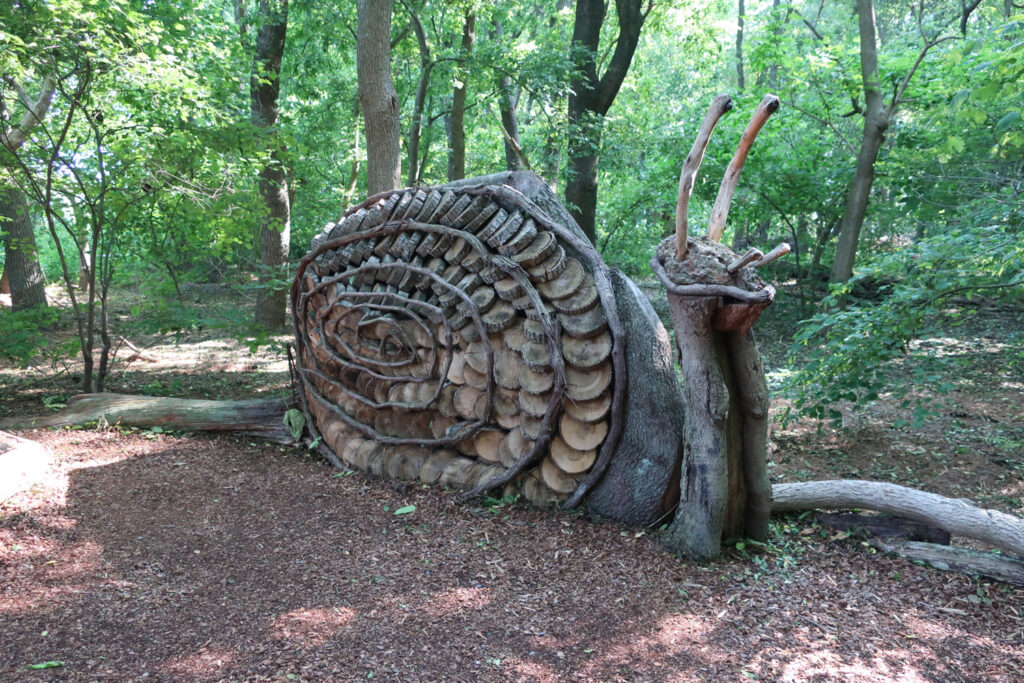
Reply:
x=22, y=276
x=740, y=80
x=508, y=97
x=378, y=96
x=592, y=95
x=877, y=116
x=275, y=228
x=456, y=123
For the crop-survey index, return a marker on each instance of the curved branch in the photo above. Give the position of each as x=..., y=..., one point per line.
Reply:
x=719, y=106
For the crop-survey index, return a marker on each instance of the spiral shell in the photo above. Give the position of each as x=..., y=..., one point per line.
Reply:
x=447, y=335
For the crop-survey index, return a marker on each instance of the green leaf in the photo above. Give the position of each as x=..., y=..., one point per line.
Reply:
x=52, y=664
x=295, y=421
x=405, y=510
x=1010, y=119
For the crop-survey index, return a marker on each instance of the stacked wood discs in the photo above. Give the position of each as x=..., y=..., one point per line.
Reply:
x=432, y=326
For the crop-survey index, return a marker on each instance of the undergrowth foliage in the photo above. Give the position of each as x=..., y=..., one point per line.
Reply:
x=846, y=352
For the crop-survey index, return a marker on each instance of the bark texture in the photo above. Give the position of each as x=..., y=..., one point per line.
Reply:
x=456, y=122
x=592, y=95
x=378, y=96
x=275, y=227
x=958, y=517
x=876, y=121
x=258, y=417
x=21, y=268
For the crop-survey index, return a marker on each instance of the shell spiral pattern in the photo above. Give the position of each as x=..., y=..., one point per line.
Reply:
x=447, y=335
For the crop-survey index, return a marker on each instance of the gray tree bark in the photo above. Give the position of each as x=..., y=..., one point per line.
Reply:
x=740, y=80
x=456, y=123
x=416, y=128
x=592, y=95
x=275, y=228
x=378, y=96
x=22, y=270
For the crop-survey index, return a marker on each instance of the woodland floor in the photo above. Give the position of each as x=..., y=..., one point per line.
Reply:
x=167, y=556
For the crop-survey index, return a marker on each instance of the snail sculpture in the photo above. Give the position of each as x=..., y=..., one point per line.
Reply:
x=469, y=335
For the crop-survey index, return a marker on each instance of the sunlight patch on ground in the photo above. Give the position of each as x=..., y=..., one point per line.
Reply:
x=64, y=570
x=312, y=626
x=203, y=665
x=456, y=600
x=830, y=665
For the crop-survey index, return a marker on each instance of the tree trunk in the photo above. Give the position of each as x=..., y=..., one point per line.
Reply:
x=457, y=126
x=21, y=267
x=740, y=80
x=275, y=228
x=958, y=517
x=591, y=96
x=416, y=129
x=876, y=120
x=378, y=96
x=258, y=417
x=507, y=101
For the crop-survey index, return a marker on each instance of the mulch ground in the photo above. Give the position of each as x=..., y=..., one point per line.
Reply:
x=194, y=558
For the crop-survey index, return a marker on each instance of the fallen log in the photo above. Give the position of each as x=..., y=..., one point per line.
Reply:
x=946, y=558
x=957, y=517
x=261, y=418
x=883, y=526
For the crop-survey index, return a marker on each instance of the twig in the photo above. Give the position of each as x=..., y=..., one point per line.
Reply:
x=753, y=254
x=719, y=106
x=776, y=253
x=716, y=226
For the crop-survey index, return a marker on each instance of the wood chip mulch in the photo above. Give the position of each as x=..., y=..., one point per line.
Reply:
x=190, y=558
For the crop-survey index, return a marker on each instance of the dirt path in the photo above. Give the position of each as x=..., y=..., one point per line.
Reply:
x=159, y=557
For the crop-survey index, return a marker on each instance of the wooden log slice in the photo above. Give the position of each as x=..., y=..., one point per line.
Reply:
x=536, y=381
x=467, y=447
x=515, y=336
x=430, y=204
x=445, y=403
x=447, y=201
x=452, y=472
x=507, y=364
x=569, y=459
x=484, y=216
x=585, y=298
x=583, y=436
x=589, y=411
x=426, y=244
x=583, y=385
x=470, y=403
x=458, y=251
x=404, y=199
x=410, y=465
x=500, y=317
x=364, y=454
x=534, y=314
x=491, y=273
x=435, y=464
x=502, y=233
x=508, y=289
x=436, y=266
x=507, y=421
x=477, y=380
x=529, y=426
x=365, y=414
x=506, y=402
x=550, y=268
x=439, y=425
x=566, y=284
x=348, y=451
x=469, y=334
x=475, y=261
x=334, y=433
x=534, y=331
x=534, y=405
x=540, y=248
x=496, y=220
x=476, y=356
x=554, y=478
x=483, y=298
x=383, y=245
x=587, y=353
x=536, y=356
x=476, y=205
x=455, y=369
x=520, y=241
x=514, y=447
x=540, y=495
x=487, y=442
x=584, y=325
x=523, y=303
